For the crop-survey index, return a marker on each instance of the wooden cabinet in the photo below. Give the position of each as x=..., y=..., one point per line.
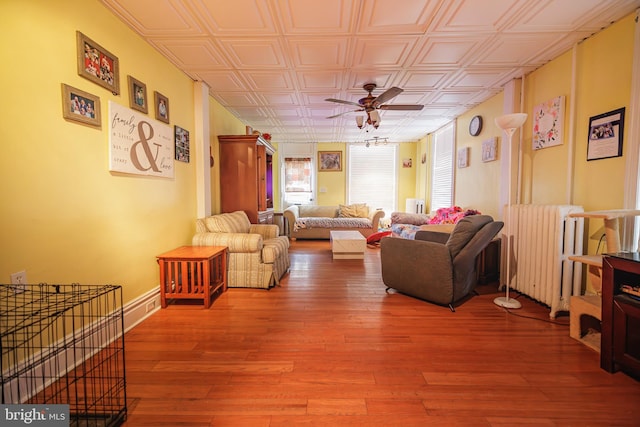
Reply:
x=620, y=347
x=246, y=176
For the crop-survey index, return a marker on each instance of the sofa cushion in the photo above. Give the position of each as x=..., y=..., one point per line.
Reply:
x=234, y=222
x=331, y=223
x=357, y=210
x=319, y=211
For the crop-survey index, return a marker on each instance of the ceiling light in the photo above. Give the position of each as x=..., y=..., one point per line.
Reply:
x=373, y=119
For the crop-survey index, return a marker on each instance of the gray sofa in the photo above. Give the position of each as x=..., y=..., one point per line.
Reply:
x=316, y=222
x=438, y=267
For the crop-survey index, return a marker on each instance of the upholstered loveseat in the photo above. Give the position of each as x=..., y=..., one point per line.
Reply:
x=258, y=256
x=316, y=222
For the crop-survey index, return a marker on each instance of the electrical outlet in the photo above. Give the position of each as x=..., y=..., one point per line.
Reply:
x=19, y=280
x=151, y=305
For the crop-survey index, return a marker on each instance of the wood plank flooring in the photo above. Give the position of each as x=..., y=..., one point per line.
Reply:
x=330, y=348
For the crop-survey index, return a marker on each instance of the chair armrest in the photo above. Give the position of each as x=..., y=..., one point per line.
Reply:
x=432, y=236
x=291, y=214
x=418, y=268
x=267, y=231
x=235, y=242
x=375, y=217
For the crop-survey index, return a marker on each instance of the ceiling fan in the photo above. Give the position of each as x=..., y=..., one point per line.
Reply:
x=372, y=103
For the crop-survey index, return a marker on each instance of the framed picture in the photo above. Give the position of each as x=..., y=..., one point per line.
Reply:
x=489, y=148
x=329, y=161
x=548, y=120
x=97, y=64
x=463, y=157
x=161, y=103
x=182, y=144
x=605, y=135
x=80, y=106
x=407, y=163
x=137, y=95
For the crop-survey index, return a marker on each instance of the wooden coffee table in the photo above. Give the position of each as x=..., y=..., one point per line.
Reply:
x=347, y=244
x=192, y=272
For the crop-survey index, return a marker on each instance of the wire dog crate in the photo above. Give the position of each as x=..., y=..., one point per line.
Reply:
x=64, y=344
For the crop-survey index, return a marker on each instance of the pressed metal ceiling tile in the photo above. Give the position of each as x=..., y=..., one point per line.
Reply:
x=332, y=17
x=237, y=17
x=190, y=54
x=318, y=52
x=222, y=81
x=155, y=17
x=272, y=59
x=269, y=80
x=408, y=17
x=255, y=54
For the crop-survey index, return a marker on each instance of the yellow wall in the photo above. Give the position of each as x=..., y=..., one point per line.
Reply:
x=478, y=185
x=64, y=217
x=406, y=176
x=335, y=183
x=601, y=86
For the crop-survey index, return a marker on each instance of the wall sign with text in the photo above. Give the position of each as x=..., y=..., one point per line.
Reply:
x=138, y=144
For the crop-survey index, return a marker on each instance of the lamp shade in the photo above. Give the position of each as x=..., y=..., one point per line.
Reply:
x=511, y=121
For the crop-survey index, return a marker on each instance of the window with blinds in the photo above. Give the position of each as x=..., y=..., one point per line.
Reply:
x=297, y=180
x=372, y=176
x=442, y=168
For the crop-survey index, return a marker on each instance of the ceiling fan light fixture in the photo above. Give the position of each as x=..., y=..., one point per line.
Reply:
x=374, y=117
x=359, y=121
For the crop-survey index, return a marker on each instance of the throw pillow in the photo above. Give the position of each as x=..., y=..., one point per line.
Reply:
x=234, y=222
x=409, y=218
x=358, y=210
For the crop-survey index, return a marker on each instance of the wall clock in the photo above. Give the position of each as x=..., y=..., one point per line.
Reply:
x=475, y=126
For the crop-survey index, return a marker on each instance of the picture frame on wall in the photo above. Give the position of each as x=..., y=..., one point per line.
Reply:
x=80, y=106
x=330, y=161
x=489, y=149
x=463, y=157
x=137, y=95
x=182, y=144
x=97, y=64
x=605, y=135
x=161, y=104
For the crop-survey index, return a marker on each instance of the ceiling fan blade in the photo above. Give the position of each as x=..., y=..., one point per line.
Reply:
x=346, y=112
x=416, y=107
x=340, y=101
x=387, y=95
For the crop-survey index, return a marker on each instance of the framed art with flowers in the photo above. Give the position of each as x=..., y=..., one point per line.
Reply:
x=548, y=121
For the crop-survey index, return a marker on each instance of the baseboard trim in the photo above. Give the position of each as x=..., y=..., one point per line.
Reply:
x=140, y=308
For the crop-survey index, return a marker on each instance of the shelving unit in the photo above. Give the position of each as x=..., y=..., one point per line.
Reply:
x=246, y=176
x=591, y=305
x=612, y=234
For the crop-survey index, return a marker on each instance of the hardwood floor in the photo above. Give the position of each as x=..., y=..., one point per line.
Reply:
x=330, y=348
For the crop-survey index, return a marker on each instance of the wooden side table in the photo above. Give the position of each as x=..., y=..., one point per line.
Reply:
x=192, y=272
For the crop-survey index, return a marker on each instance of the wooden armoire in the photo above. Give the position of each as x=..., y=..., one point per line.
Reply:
x=246, y=176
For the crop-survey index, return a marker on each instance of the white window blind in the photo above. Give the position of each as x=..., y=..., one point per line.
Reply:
x=372, y=176
x=297, y=174
x=442, y=168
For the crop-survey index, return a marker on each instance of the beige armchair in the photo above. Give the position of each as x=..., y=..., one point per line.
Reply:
x=258, y=256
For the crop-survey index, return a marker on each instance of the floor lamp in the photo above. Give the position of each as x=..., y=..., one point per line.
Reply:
x=509, y=123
